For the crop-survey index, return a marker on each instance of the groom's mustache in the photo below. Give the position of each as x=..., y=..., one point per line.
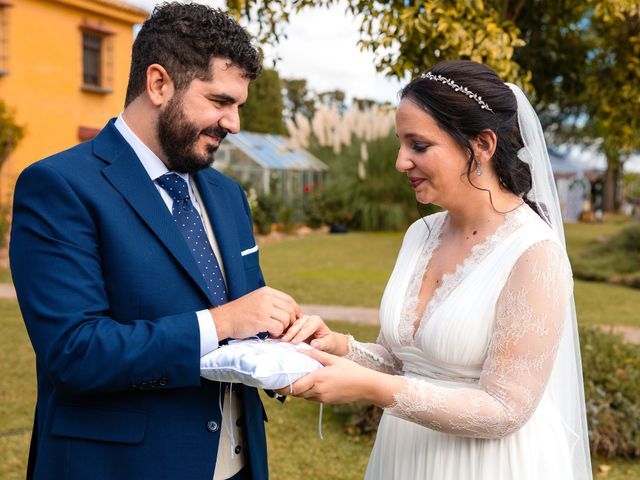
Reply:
x=218, y=132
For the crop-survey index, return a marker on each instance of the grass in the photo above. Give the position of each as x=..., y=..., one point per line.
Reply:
x=17, y=392
x=604, y=304
x=353, y=269
x=617, y=260
x=581, y=235
x=5, y=275
x=292, y=434
x=350, y=269
x=347, y=269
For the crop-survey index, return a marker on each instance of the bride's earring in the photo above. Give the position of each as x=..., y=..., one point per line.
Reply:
x=478, y=169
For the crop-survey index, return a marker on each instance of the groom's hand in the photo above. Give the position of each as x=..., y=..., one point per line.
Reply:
x=263, y=310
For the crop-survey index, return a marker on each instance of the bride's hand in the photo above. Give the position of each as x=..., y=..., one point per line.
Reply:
x=313, y=329
x=340, y=381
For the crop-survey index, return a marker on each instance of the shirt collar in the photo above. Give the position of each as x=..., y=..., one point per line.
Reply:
x=154, y=167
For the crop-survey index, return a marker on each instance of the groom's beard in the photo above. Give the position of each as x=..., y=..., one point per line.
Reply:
x=179, y=137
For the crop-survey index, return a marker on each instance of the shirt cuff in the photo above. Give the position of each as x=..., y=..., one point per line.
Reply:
x=208, y=333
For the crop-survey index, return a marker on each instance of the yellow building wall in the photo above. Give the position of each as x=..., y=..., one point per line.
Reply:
x=44, y=84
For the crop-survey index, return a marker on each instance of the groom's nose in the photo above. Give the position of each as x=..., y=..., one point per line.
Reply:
x=230, y=121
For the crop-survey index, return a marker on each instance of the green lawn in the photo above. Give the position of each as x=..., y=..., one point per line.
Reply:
x=581, y=235
x=353, y=269
x=293, y=442
x=5, y=275
x=605, y=304
x=347, y=269
x=17, y=391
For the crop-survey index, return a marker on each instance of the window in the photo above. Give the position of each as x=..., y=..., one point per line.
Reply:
x=96, y=58
x=91, y=59
x=4, y=37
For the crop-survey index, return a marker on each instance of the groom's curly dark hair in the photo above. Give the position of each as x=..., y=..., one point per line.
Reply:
x=183, y=38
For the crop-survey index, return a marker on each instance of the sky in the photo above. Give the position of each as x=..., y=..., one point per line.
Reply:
x=322, y=48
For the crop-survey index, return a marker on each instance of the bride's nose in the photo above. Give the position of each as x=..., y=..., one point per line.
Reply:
x=403, y=162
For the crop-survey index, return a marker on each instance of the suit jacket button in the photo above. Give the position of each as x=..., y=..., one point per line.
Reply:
x=237, y=449
x=212, y=426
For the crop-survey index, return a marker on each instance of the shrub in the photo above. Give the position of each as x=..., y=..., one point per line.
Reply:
x=378, y=198
x=265, y=212
x=616, y=260
x=5, y=225
x=612, y=390
x=313, y=210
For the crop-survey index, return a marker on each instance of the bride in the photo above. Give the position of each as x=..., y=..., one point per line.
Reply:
x=477, y=363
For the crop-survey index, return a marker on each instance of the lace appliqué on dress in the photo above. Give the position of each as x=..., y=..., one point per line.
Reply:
x=376, y=356
x=406, y=329
x=530, y=314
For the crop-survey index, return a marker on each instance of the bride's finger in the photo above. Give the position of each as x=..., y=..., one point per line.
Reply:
x=301, y=387
x=307, y=330
x=324, y=358
x=293, y=330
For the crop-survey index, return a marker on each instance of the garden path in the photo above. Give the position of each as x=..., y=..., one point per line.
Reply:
x=369, y=316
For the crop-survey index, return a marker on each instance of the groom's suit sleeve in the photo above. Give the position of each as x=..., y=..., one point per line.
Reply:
x=58, y=273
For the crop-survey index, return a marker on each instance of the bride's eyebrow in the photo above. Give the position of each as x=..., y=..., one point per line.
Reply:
x=416, y=137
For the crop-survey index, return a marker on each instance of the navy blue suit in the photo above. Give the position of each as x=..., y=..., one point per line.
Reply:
x=108, y=290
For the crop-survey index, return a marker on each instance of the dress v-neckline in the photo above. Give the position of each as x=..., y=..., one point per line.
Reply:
x=409, y=332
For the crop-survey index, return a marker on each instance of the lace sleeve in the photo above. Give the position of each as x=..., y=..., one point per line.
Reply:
x=376, y=356
x=529, y=318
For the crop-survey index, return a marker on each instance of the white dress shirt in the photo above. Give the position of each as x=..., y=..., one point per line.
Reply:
x=228, y=462
x=156, y=168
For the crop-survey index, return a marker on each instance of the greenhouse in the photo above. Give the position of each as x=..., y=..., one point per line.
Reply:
x=266, y=163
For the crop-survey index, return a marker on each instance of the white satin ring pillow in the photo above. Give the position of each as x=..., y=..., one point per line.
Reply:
x=268, y=364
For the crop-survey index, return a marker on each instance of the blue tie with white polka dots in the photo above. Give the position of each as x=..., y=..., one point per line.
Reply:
x=190, y=224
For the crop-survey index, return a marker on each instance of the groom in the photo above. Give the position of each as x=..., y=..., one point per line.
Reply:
x=132, y=259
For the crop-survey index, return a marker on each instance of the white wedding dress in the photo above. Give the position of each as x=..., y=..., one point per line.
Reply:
x=474, y=405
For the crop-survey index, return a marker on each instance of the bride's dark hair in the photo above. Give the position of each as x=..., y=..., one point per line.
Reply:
x=463, y=117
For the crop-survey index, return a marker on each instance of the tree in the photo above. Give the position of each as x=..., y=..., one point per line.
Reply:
x=586, y=62
x=10, y=136
x=578, y=59
x=10, y=133
x=262, y=113
x=333, y=98
x=298, y=98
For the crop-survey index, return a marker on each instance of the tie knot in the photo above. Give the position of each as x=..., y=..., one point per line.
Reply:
x=175, y=186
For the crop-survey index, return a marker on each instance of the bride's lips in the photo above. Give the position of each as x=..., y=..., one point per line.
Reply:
x=415, y=181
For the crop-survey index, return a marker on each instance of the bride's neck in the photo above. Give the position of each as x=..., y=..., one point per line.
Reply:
x=474, y=217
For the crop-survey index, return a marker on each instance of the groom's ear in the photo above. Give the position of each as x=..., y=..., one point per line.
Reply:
x=484, y=145
x=160, y=87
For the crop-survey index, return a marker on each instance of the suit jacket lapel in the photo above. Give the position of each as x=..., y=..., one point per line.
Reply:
x=216, y=202
x=128, y=176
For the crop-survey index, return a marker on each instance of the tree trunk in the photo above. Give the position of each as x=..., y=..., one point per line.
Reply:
x=612, y=195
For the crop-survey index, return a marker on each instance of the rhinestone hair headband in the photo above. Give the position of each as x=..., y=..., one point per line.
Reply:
x=459, y=88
